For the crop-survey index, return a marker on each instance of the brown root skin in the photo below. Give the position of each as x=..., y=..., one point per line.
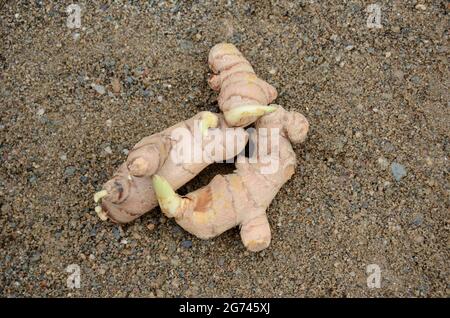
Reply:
x=242, y=198
x=130, y=192
x=237, y=82
x=144, y=161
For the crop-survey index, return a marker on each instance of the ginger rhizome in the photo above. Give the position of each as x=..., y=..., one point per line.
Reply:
x=243, y=197
x=243, y=96
x=129, y=194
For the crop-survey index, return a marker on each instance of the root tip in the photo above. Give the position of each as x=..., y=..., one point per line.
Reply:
x=100, y=213
x=168, y=199
x=99, y=195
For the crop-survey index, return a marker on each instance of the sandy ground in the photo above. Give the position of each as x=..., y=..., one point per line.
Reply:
x=371, y=186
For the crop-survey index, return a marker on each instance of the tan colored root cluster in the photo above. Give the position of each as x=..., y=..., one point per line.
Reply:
x=129, y=194
x=150, y=176
x=242, y=198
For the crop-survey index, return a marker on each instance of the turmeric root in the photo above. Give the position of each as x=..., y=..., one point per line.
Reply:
x=243, y=96
x=240, y=198
x=129, y=194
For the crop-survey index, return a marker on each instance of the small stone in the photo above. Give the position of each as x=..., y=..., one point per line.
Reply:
x=115, y=84
x=383, y=163
x=129, y=80
x=138, y=71
x=399, y=74
x=100, y=89
x=273, y=71
x=159, y=98
x=108, y=150
x=70, y=170
x=76, y=36
x=84, y=179
x=398, y=171
x=6, y=208
x=388, y=54
x=388, y=146
x=147, y=93
x=125, y=151
x=396, y=29
x=175, y=262
x=186, y=45
x=349, y=48
x=109, y=123
x=36, y=257
x=40, y=112
x=415, y=79
x=109, y=62
x=124, y=242
x=150, y=226
x=92, y=257
x=309, y=59
x=387, y=96
x=421, y=7
x=137, y=236
x=418, y=239
x=186, y=244
x=162, y=219
x=63, y=157
x=116, y=233
x=418, y=219
x=32, y=179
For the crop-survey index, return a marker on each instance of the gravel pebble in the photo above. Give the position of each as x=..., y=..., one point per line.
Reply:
x=116, y=233
x=390, y=87
x=384, y=164
x=398, y=171
x=116, y=86
x=99, y=88
x=36, y=257
x=70, y=170
x=40, y=112
x=186, y=244
x=108, y=150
